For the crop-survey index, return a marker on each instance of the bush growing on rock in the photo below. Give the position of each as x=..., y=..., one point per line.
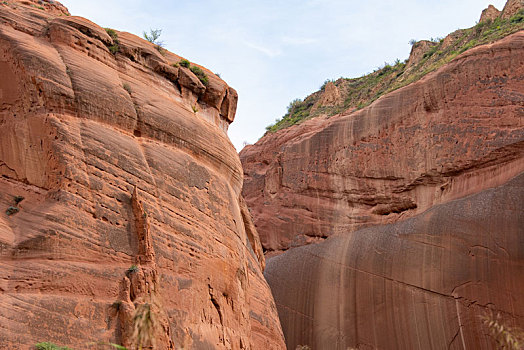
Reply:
x=200, y=74
x=116, y=43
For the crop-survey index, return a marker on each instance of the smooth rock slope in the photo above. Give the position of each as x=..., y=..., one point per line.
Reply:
x=131, y=194
x=422, y=283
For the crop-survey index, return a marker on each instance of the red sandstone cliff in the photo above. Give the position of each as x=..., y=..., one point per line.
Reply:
x=412, y=209
x=453, y=133
x=131, y=194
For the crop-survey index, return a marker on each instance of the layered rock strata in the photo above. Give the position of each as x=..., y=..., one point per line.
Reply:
x=423, y=283
x=453, y=133
x=121, y=194
x=407, y=214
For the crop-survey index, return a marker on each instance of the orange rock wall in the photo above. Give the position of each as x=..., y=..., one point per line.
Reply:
x=455, y=132
x=405, y=217
x=80, y=128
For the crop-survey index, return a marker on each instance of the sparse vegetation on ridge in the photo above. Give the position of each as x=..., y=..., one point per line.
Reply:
x=360, y=92
x=52, y=346
x=200, y=74
x=116, y=43
x=184, y=63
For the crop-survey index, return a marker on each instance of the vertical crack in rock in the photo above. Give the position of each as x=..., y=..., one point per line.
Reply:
x=143, y=321
x=251, y=233
x=459, y=320
x=146, y=252
x=216, y=304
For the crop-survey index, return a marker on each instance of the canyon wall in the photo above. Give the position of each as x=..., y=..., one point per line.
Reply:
x=422, y=283
x=121, y=194
x=407, y=213
x=451, y=134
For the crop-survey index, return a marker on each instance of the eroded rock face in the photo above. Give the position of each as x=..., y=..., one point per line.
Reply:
x=489, y=14
x=120, y=163
x=422, y=283
x=455, y=132
x=512, y=7
x=408, y=211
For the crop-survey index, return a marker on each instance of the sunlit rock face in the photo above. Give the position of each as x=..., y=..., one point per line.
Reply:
x=407, y=213
x=131, y=194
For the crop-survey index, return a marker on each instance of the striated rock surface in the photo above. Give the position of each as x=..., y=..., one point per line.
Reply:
x=407, y=214
x=453, y=133
x=422, y=283
x=131, y=195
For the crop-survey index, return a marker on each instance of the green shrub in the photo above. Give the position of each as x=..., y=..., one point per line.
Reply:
x=112, y=33
x=200, y=74
x=518, y=18
x=12, y=210
x=114, y=48
x=18, y=199
x=116, y=43
x=127, y=87
x=132, y=269
x=184, y=63
x=50, y=346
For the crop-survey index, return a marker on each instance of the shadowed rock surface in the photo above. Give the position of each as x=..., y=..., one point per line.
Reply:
x=418, y=284
x=122, y=159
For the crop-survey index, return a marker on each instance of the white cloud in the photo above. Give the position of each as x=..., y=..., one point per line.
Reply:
x=298, y=41
x=270, y=52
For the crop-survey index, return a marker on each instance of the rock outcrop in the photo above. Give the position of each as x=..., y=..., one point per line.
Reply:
x=330, y=96
x=511, y=8
x=411, y=208
x=121, y=195
x=489, y=14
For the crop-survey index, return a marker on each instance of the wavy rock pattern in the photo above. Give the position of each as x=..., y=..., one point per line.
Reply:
x=422, y=283
x=82, y=129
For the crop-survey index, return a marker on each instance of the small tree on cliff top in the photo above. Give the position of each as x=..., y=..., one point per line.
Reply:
x=153, y=36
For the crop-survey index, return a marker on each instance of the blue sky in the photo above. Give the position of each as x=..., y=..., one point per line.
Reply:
x=272, y=52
